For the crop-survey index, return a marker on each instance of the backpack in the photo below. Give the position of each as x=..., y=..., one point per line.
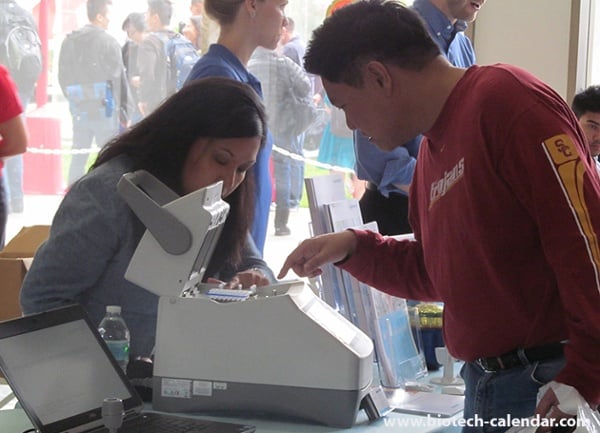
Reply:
x=181, y=58
x=296, y=113
x=299, y=114
x=20, y=45
x=83, y=82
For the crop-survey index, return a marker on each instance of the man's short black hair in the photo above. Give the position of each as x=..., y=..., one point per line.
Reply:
x=96, y=7
x=381, y=30
x=163, y=8
x=587, y=100
x=135, y=20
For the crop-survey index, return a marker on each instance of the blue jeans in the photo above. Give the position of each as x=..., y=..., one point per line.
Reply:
x=13, y=174
x=85, y=130
x=3, y=212
x=13, y=182
x=492, y=396
x=288, y=173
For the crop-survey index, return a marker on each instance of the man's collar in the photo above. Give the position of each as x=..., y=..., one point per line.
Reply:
x=437, y=20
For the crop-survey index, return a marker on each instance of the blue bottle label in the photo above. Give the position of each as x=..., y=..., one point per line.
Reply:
x=119, y=349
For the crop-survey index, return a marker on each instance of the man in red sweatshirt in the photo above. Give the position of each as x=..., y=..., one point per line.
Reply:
x=504, y=204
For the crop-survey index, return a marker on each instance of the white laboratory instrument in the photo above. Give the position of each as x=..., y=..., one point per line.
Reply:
x=282, y=351
x=181, y=232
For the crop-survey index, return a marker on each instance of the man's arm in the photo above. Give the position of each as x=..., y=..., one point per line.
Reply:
x=309, y=257
x=392, y=266
x=147, y=60
x=115, y=68
x=66, y=65
x=13, y=133
x=299, y=81
x=14, y=137
x=548, y=168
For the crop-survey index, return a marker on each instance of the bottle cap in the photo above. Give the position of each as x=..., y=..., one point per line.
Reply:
x=113, y=309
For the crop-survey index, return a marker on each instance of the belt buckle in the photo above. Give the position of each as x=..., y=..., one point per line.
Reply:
x=482, y=362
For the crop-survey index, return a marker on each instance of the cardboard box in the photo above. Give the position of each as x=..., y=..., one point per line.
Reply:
x=15, y=260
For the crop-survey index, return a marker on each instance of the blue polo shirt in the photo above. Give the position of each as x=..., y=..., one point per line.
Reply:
x=451, y=39
x=220, y=62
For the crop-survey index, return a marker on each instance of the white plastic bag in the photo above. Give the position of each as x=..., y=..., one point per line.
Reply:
x=588, y=420
x=585, y=419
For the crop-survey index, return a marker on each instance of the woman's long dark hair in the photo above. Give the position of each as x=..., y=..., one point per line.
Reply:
x=213, y=107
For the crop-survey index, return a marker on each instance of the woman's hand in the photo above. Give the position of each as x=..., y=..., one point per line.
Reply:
x=244, y=279
x=308, y=258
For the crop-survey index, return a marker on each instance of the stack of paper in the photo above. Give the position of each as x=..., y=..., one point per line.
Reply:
x=321, y=190
x=426, y=403
x=383, y=317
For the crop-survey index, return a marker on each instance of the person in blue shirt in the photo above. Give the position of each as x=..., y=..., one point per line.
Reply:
x=389, y=174
x=244, y=26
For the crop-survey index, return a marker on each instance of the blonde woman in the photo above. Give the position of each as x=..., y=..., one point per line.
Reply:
x=244, y=26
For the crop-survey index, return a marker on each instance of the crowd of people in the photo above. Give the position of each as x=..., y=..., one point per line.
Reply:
x=505, y=208
x=138, y=78
x=211, y=129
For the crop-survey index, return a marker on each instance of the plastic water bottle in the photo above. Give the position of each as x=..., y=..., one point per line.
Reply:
x=114, y=332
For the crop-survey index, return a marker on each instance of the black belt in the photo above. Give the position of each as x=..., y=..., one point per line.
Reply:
x=373, y=187
x=521, y=357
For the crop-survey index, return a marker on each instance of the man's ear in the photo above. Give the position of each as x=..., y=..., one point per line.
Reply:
x=152, y=17
x=378, y=74
x=251, y=7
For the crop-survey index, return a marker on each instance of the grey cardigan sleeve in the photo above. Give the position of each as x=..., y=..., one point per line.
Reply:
x=82, y=244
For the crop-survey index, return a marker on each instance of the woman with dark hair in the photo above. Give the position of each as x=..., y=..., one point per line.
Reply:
x=212, y=130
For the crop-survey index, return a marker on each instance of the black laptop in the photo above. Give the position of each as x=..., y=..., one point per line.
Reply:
x=61, y=371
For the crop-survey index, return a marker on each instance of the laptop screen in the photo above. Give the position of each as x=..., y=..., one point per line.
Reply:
x=60, y=370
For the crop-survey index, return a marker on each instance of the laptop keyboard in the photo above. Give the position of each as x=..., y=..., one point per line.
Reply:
x=159, y=423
